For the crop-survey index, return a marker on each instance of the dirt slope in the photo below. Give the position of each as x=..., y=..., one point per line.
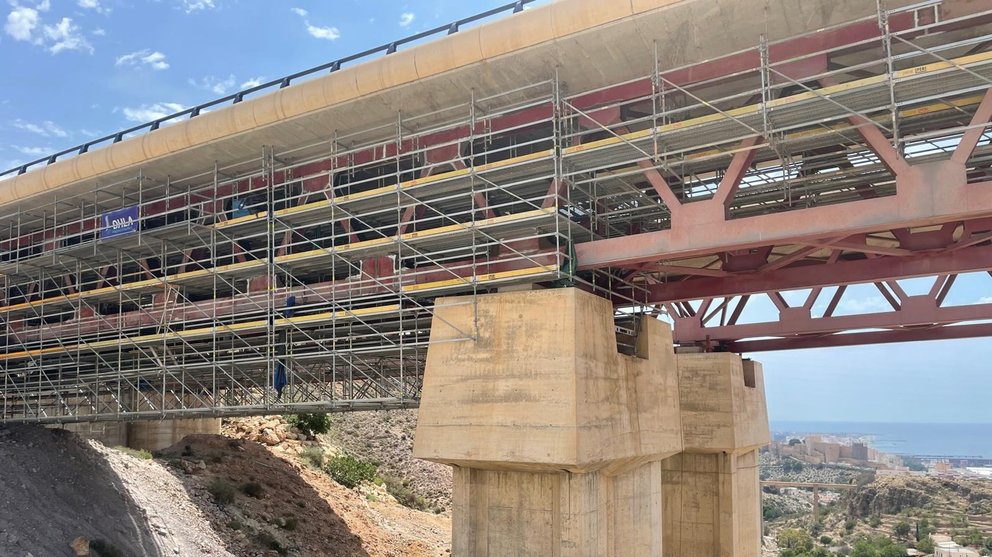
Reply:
x=54, y=488
x=285, y=506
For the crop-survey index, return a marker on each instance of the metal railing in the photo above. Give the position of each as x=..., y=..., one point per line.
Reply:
x=279, y=83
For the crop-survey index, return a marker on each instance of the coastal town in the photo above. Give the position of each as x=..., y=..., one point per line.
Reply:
x=826, y=494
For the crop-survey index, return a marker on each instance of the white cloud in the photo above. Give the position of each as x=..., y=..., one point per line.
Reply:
x=864, y=305
x=985, y=300
x=328, y=33
x=215, y=84
x=252, y=82
x=149, y=112
x=191, y=6
x=46, y=128
x=21, y=23
x=33, y=151
x=99, y=32
x=407, y=18
x=65, y=35
x=316, y=31
x=93, y=5
x=145, y=57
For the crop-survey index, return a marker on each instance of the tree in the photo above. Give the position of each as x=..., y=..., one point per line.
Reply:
x=793, y=442
x=794, y=543
x=311, y=424
x=875, y=521
x=902, y=528
x=925, y=545
x=792, y=465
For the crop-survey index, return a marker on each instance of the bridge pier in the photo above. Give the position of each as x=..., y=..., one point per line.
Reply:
x=712, y=490
x=561, y=445
x=156, y=435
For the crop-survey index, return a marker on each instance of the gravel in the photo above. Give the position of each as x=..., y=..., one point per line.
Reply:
x=177, y=524
x=55, y=488
x=386, y=437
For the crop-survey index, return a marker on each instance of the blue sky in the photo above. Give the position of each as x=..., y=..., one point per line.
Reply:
x=78, y=69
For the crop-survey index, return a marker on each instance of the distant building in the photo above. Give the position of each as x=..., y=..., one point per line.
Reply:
x=859, y=451
x=951, y=549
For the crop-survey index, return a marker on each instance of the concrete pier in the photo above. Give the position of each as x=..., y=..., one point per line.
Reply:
x=156, y=435
x=148, y=435
x=562, y=446
x=711, y=489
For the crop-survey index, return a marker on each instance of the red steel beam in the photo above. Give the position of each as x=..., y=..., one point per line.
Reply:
x=820, y=275
x=935, y=195
x=862, y=338
x=918, y=311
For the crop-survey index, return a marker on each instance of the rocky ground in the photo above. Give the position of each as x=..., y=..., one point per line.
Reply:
x=56, y=490
x=950, y=505
x=387, y=438
x=250, y=494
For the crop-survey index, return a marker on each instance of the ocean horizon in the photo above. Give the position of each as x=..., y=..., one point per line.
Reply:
x=971, y=440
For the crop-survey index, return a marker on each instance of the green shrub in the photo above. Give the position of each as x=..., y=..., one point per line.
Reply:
x=849, y=524
x=235, y=525
x=350, y=471
x=925, y=545
x=222, y=491
x=902, y=528
x=404, y=495
x=252, y=489
x=290, y=523
x=314, y=456
x=875, y=521
x=136, y=453
x=826, y=540
x=311, y=424
x=793, y=543
x=770, y=511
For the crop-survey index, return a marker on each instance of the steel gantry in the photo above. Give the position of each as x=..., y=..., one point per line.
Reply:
x=305, y=278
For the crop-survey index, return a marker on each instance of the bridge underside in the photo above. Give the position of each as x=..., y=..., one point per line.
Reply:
x=305, y=279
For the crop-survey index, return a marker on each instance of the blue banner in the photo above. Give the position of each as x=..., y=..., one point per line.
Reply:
x=120, y=222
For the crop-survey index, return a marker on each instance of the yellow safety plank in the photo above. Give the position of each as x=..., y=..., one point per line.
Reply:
x=204, y=331
x=458, y=227
x=489, y=277
x=806, y=95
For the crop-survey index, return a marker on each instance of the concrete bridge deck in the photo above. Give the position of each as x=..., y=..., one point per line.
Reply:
x=285, y=252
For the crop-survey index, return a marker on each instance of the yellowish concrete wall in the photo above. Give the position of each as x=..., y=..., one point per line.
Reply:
x=544, y=388
x=564, y=447
x=556, y=438
x=528, y=514
x=720, y=413
x=111, y=434
x=712, y=505
x=712, y=491
x=153, y=436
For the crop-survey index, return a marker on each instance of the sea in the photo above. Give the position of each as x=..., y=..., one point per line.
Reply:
x=924, y=439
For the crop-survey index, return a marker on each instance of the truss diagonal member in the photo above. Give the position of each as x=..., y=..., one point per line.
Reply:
x=979, y=122
x=660, y=185
x=739, y=165
x=876, y=141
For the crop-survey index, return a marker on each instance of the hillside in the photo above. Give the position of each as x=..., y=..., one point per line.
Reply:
x=961, y=508
x=207, y=495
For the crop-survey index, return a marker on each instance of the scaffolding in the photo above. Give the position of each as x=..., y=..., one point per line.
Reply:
x=305, y=279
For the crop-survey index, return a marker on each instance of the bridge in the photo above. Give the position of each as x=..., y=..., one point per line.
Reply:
x=303, y=245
